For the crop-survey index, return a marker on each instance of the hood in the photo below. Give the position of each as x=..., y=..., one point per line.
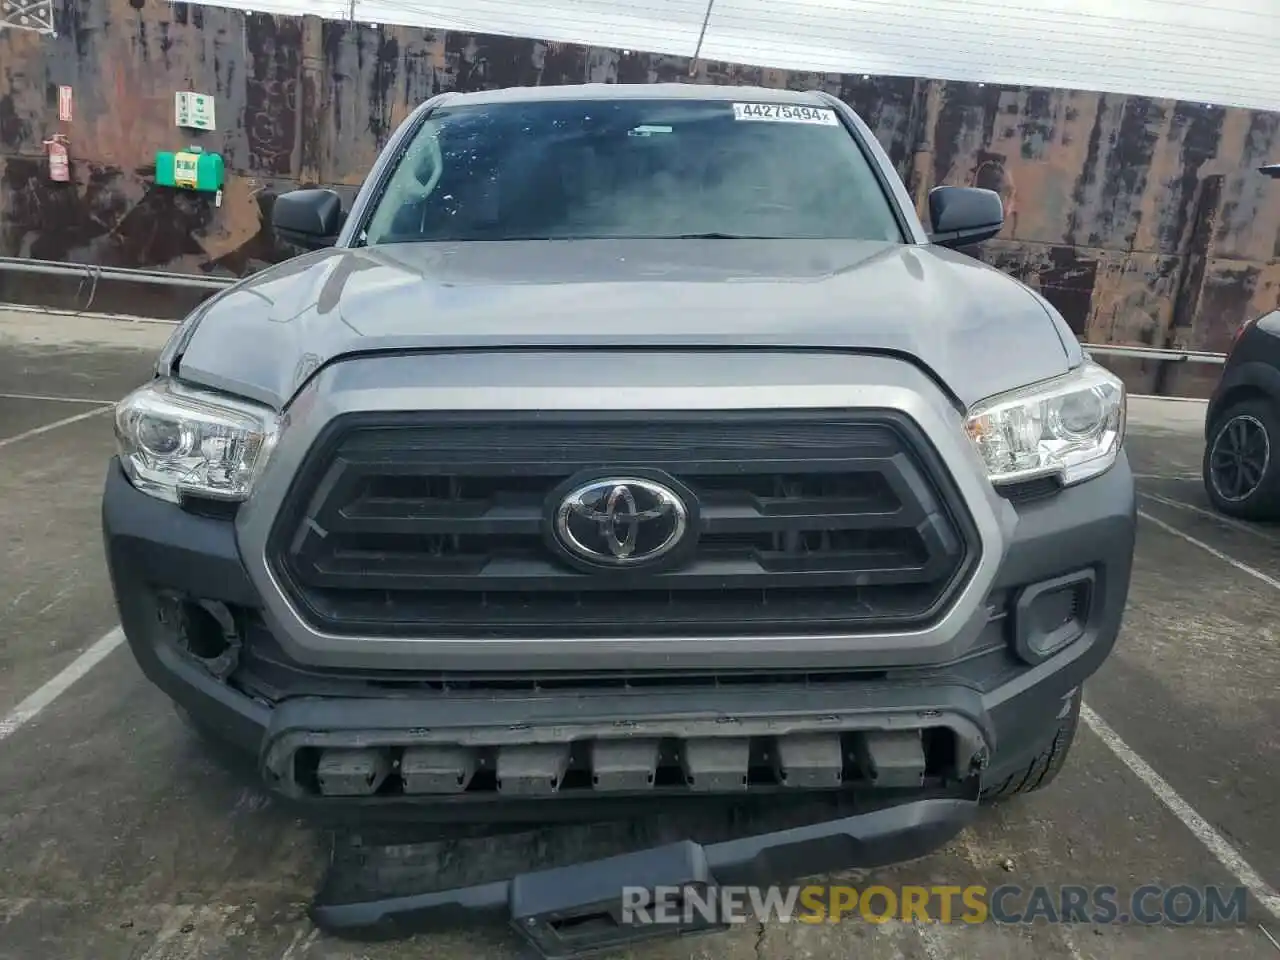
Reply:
x=977, y=330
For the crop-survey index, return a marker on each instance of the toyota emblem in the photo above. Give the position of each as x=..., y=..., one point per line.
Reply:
x=621, y=521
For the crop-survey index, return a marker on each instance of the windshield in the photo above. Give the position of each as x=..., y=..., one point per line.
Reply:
x=589, y=169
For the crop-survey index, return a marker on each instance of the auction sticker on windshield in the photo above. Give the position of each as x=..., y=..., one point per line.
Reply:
x=785, y=113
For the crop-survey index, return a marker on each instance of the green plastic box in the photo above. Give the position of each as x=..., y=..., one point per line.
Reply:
x=190, y=169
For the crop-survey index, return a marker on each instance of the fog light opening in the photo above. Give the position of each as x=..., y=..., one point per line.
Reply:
x=202, y=633
x=1051, y=615
x=206, y=630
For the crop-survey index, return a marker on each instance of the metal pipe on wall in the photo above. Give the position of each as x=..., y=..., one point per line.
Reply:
x=91, y=271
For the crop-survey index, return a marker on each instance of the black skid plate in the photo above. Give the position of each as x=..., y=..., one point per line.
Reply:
x=568, y=911
x=576, y=903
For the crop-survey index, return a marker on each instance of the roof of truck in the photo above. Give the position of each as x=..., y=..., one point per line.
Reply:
x=637, y=91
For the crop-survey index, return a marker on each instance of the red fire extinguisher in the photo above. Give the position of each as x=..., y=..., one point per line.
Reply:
x=59, y=164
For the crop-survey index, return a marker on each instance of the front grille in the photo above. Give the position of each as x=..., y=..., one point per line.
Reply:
x=436, y=525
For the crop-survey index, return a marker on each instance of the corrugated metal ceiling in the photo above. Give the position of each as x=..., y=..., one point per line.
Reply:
x=1225, y=52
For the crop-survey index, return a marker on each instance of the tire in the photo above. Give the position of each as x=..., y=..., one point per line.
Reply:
x=1241, y=467
x=1046, y=765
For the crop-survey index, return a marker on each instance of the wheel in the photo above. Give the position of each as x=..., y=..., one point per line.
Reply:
x=1046, y=765
x=1241, y=462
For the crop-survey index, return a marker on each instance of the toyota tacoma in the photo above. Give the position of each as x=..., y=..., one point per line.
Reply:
x=628, y=448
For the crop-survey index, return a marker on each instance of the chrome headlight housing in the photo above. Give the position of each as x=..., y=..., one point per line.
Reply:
x=1071, y=427
x=177, y=441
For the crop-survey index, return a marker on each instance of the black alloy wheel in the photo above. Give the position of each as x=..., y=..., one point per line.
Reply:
x=1240, y=461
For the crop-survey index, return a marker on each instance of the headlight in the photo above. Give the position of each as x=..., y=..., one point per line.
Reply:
x=174, y=440
x=1071, y=426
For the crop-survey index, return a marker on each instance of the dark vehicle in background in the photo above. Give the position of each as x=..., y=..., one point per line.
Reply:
x=1241, y=465
x=625, y=448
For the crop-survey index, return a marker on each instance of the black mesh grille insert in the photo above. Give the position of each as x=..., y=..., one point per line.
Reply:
x=435, y=525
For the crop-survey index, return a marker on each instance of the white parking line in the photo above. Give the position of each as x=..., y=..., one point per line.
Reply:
x=299, y=946
x=1215, y=842
x=1266, y=933
x=1242, y=567
x=77, y=668
x=46, y=399
x=1217, y=517
x=36, y=431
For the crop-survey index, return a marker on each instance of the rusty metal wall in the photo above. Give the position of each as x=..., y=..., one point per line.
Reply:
x=1143, y=220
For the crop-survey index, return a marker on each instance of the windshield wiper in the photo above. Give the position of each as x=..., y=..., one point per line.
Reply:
x=714, y=236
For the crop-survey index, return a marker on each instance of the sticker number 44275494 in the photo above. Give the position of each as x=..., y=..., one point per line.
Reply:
x=785, y=113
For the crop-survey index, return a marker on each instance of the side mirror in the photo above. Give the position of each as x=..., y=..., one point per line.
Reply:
x=308, y=218
x=1271, y=170
x=964, y=215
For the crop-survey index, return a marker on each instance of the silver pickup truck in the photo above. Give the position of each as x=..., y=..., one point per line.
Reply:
x=627, y=449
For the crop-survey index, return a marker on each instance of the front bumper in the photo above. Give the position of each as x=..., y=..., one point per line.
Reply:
x=998, y=708
x=261, y=698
